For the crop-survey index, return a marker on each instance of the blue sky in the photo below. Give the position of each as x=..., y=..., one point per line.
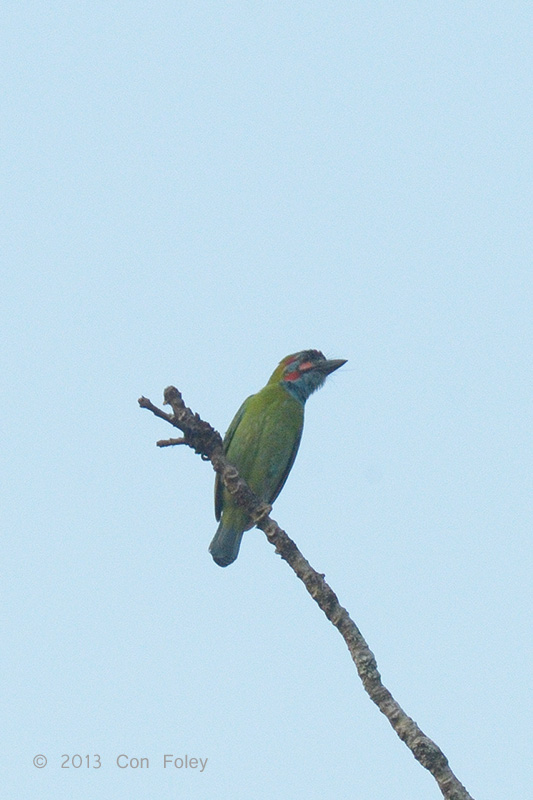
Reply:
x=191, y=191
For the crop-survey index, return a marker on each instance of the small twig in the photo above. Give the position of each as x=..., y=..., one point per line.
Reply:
x=171, y=442
x=206, y=441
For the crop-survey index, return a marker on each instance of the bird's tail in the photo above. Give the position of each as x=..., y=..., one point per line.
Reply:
x=225, y=545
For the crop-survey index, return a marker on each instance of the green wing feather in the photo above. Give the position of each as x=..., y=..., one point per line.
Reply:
x=227, y=440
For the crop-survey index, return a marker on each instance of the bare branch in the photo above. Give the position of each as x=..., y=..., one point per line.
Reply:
x=206, y=441
x=171, y=442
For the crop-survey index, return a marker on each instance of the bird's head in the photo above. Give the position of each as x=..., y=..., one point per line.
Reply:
x=305, y=372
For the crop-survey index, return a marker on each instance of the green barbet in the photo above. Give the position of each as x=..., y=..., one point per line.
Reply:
x=262, y=442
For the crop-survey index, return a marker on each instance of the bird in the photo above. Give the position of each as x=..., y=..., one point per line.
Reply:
x=262, y=441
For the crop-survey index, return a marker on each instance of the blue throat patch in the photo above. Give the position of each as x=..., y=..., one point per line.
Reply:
x=302, y=388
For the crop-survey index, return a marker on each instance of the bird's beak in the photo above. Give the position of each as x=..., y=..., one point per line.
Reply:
x=331, y=365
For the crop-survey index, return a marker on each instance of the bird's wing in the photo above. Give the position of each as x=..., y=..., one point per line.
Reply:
x=227, y=439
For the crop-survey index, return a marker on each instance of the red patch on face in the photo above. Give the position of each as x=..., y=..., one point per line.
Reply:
x=292, y=376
